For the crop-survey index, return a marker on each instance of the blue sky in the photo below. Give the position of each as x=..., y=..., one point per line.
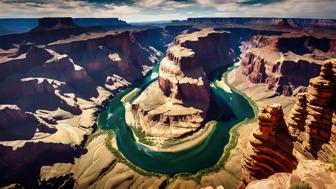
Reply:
x=155, y=10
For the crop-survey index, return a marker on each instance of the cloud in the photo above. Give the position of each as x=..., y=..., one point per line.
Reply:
x=151, y=10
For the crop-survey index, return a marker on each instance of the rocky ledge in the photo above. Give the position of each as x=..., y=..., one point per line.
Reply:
x=177, y=103
x=286, y=62
x=308, y=133
x=309, y=171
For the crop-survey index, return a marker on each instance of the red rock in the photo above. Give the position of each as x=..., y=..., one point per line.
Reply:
x=282, y=61
x=308, y=132
x=178, y=107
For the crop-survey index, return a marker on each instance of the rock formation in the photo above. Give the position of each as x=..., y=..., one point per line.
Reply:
x=105, y=23
x=317, y=174
x=48, y=30
x=50, y=94
x=267, y=22
x=285, y=63
x=16, y=124
x=54, y=24
x=306, y=134
x=269, y=150
x=177, y=103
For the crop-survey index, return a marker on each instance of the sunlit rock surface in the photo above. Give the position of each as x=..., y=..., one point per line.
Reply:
x=308, y=132
x=317, y=174
x=286, y=62
x=177, y=103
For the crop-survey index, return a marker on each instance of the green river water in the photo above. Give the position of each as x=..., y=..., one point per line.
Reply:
x=228, y=108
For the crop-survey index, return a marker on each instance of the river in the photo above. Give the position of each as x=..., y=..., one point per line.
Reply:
x=228, y=108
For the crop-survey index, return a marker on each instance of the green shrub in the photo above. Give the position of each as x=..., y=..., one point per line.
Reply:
x=300, y=185
x=333, y=161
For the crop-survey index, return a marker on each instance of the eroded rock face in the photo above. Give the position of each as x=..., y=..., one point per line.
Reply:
x=50, y=96
x=269, y=150
x=48, y=30
x=267, y=22
x=116, y=53
x=285, y=62
x=310, y=171
x=308, y=132
x=16, y=124
x=177, y=103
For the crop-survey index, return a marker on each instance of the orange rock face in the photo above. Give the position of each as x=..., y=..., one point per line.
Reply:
x=308, y=132
x=177, y=103
x=269, y=150
x=285, y=62
x=309, y=171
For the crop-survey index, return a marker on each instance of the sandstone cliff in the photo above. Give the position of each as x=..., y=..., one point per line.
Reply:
x=316, y=174
x=306, y=134
x=286, y=62
x=50, y=94
x=269, y=149
x=177, y=103
x=267, y=22
x=48, y=30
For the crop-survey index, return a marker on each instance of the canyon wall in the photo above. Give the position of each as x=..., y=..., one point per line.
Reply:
x=315, y=173
x=268, y=22
x=279, y=143
x=177, y=103
x=286, y=62
x=48, y=30
x=52, y=91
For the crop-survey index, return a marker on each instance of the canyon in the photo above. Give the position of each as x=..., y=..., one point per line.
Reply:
x=306, y=134
x=177, y=103
x=266, y=22
x=69, y=87
x=282, y=61
x=53, y=91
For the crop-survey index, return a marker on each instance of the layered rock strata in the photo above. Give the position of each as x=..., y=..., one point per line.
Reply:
x=50, y=95
x=308, y=131
x=286, y=62
x=312, y=172
x=267, y=22
x=51, y=91
x=48, y=30
x=177, y=103
x=269, y=149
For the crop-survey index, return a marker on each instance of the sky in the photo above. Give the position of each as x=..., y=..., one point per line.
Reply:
x=159, y=10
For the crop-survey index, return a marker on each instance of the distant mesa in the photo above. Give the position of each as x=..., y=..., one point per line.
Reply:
x=106, y=23
x=55, y=23
x=273, y=22
x=21, y=25
x=48, y=30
